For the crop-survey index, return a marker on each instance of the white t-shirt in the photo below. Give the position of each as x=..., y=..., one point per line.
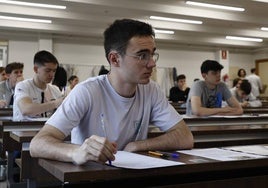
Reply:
x=26, y=88
x=94, y=108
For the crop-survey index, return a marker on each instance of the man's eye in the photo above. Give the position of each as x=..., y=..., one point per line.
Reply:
x=143, y=56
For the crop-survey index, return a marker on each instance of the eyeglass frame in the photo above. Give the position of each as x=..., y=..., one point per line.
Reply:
x=146, y=61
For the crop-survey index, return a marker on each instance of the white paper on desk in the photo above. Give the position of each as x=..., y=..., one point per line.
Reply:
x=252, y=149
x=220, y=154
x=38, y=119
x=124, y=159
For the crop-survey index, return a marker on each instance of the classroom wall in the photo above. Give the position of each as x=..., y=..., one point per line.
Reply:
x=186, y=61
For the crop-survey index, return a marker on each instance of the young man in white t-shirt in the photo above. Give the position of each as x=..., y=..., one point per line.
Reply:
x=113, y=112
x=36, y=97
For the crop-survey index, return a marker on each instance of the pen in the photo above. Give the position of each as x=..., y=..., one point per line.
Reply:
x=164, y=154
x=105, y=134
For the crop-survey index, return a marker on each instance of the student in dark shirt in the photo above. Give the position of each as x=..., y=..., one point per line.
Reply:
x=180, y=92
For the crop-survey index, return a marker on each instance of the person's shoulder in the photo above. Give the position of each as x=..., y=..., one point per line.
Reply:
x=25, y=82
x=53, y=87
x=199, y=83
x=2, y=83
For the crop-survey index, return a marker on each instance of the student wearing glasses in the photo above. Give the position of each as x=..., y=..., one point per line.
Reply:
x=206, y=96
x=113, y=111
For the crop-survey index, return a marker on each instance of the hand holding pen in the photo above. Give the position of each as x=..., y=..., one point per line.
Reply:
x=94, y=148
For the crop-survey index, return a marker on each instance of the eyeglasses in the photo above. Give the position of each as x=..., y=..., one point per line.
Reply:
x=144, y=58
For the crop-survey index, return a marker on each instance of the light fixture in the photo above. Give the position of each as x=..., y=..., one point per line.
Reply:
x=264, y=28
x=244, y=39
x=263, y=1
x=164, y=31
x=175, y=20
x=25, y=19
x=215, y=6
x=32, y=4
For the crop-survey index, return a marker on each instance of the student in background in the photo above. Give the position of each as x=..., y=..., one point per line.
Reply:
x=113, y=112
x=241, y=73
x=206, y=96
x=73, y=80
x=14, y=74
x=2, y=74
x=60, y=78
x=242, y=92
x=103, y=70
x=255, y=82
x=36, y=97
x=180, y=92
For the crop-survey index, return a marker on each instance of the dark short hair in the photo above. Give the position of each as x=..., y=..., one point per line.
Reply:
x=180, y=77
x=239, y=72
x=235, y=81
x=13, y=66
x=210, y=65
x=118, y=34
x=71, y=78
x=60, y=77
x=252, y=70
x=245, y=86
x=2, y=69
x=43, y=57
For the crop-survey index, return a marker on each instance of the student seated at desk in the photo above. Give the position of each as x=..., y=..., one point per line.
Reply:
x=242, y=92
x=36, y=97
x=14, y=74
x=206, y=96
x=179, y=93
x=113, y=111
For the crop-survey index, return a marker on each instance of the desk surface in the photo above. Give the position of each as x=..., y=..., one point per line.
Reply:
x=195, y=169
x=261, y=119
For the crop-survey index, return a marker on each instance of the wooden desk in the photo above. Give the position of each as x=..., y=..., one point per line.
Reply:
x=255, y=110
x=6, y=111
x=197, y=172
x=221, y=135
x=261, y=119
x=10, y=145
x=247, y=110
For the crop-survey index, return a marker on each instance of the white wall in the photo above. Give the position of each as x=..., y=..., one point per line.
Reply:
x=23, y=51
x=186, y=62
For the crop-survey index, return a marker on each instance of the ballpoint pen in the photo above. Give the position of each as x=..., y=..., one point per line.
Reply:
x=164, y=154
x=105, y=134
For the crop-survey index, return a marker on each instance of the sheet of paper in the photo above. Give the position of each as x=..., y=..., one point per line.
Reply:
x=38, y=119
x=130, y=160
x=252, y=149
x=220, y=154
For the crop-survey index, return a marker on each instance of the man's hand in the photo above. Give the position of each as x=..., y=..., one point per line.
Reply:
x=94, y=148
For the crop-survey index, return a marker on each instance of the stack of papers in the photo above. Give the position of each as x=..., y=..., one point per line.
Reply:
x=130, y=160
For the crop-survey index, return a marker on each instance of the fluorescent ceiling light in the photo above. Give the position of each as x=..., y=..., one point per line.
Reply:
x=25, y=19
x=244, y=39
x=264, y=28
x=214, y=6
x=164, y=31
x=33, y=4
x=263, y=1
x=175, y=20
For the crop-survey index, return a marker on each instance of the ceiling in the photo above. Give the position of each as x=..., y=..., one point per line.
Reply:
x=85, y=20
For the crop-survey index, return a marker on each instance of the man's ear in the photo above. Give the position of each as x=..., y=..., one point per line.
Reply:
x=114, y=58
x=204, y=75
x=35, y=68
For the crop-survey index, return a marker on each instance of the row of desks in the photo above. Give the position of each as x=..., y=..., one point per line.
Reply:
x=197, y=171
x=247, y=110
x=216, y=134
